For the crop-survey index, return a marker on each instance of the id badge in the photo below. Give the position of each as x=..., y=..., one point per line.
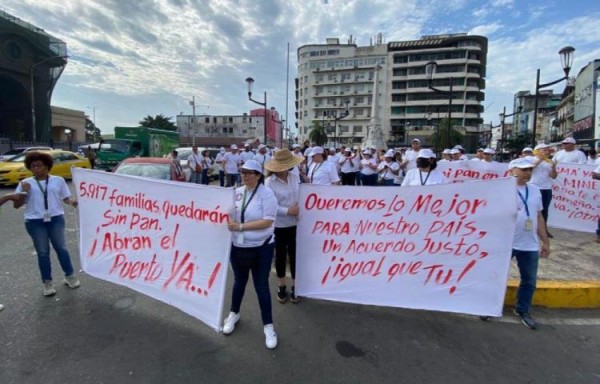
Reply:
x=47, y=217
x=528, y=225
x=240, y=238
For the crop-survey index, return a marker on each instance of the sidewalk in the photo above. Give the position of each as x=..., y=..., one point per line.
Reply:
x=570, y=277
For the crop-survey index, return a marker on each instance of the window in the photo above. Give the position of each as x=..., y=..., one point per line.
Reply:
x=357, y=128
x=207, y=119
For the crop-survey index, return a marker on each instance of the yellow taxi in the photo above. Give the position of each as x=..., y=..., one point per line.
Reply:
x=13, y=170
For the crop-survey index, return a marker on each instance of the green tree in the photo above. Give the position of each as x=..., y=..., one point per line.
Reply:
x=318, y=134
x=439, y=139
x=92, y=133
x=158, y=122
x=516, y=143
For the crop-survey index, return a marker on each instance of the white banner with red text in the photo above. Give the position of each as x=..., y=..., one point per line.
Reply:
x=168, y=240
x=441, y=247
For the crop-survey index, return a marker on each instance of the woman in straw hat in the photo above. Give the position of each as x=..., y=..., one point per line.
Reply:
x=286, y=187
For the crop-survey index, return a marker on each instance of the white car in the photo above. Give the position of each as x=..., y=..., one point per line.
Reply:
x=184, y=152
x=17, y=151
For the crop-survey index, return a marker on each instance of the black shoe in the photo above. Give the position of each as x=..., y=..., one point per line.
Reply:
x=526, y=319
x=282, y=295
x=485, y=318
x=293, y=298
x=549, y=235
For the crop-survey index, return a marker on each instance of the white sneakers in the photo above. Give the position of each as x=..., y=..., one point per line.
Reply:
x=270, y=336
x=233, y=318
x=48, y=288
x=72, y=281
x=229, y=323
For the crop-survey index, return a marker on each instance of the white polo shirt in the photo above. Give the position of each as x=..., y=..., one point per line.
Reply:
x=415, y=177
x=232, y=162
x=194, y=159
x=263, y=205
x=323, y=173
x=366, y=169
x=524, y=240
x=410, y=159
x=262, y=159
x=388, y=174
x=575, y=156
x=57, y=192
x=247, y=155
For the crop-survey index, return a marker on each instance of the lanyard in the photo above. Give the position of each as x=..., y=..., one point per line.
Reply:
x=317, y=166
x=245, y=204
x=421, y=177
x=524, y=199
x=44, y=191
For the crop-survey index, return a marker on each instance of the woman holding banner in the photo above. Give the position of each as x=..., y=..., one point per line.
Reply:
x=426, y=172
x=368, y=169
x=44, y=217
x=544, y=171
x=286, y=187
x=252, y=248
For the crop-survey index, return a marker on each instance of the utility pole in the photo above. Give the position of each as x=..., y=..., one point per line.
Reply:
x=193, y=104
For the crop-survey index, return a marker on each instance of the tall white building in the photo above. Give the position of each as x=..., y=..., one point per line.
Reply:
x=331, y=74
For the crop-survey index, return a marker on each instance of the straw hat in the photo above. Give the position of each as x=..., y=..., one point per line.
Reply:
x=282, y=161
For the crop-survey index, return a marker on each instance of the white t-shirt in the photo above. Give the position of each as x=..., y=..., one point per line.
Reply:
x=262, y=159
x=410, y=159
x=57, y=192
x=207, y=162
x=365, y=166
x=399, y=177
x=323, y=173
x=287, y=195
x=263, y=205
x=349, y=164
x=523, y=239
x=540, y=176
x=388, y=174
x=232, y=162
x=416, y=177
x=335, y=161
x=219, y=159
x=247, y=155
x=194, y=159
x=575, y=156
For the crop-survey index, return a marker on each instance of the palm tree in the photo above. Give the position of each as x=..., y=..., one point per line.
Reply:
x=318, y=134
x=159, y=121
x=439, y=139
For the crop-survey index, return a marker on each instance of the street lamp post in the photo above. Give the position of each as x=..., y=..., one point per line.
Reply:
x=31, y=73
x=93, y=122
x=503, y=116
x=336, y=119
x=280, y=122
x=250, y=82
x=430, y=69
x=566, y=60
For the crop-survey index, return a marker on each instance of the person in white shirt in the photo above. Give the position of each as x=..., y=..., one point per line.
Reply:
x=478, y=155
x=44, y=196
x=368, y=169
x=231, y=162
x=426, y=172
x=286, y=187
x=195, y=165
x=334, y=159
x=247, y=154
x=252, y=228
x=410, y=156
x=321, y=172
x=569, y=154
x=300, y=168
x=455, y=154
x=219, y=161
x=262, y=156
x=527, y=152
x=400, y=176
x=388, y=169
x=460, y=148
x=207, y=162
x=446, y=155
x=544, y=171
x=348, y=167
x=530, y=240
x=488, y=155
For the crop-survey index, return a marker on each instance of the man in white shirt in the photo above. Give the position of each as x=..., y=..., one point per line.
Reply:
x=247, y=154
x=462, y=152
x=321, y=172
x=334, y=158
x=349, y=167
x=488, y=155
x=478, y=155
x=446, y=155
x=262, y=156
x=195, y=165
x=569, y=154
x=219, y=161
x=232, y=161
x=409, y=160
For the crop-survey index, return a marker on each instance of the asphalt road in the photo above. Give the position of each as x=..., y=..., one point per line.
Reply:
x=104, y=333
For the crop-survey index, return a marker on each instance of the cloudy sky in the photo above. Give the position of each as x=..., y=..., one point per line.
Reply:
x=131, y=58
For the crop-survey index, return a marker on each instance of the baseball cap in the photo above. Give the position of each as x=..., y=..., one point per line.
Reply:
x=261, y=146
x=521, y=163
x=316, y=151
x=426, y=153
x=527, y=149
x=569, y=140
x=390, y=153
x=417, y=140
x=447, y=151
x=454, y=151
x=490, y=151
x=296, y=146
x=252, y=165
x=459, y=147
x=541, y=146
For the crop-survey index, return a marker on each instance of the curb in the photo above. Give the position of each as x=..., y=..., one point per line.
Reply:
x=559, y=294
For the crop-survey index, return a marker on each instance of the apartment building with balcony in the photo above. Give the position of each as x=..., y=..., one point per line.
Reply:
x=333, y=74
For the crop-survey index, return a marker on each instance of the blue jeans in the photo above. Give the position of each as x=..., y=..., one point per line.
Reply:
x=205, y=176
x=368, y=180
x=258, y=261
x=42, y=235
x=222, y=178
x=527, y=261
x=546, y=199
x=195, y=177
x=233, y=180
x=388, y=182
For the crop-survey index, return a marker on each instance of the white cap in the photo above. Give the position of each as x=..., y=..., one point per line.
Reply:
x=522, y=163
x=490, y=151
x=426, y=153
x=332, y=149
x=355, y=147
x=233, y=146
x=348, y=150
x=480, y=150
x=374, y=147
x=253, y=165
x=295, y=146
x=261, y=146
x=458, y=146
x=454, y=151
x=222, y=149
x=541, y=146
x=390, y=153
x=316, y=151
x=527, y=149
x=447, y=151
x=417, y=140
x=367, y=152
x=569, y=140
x=246, y=145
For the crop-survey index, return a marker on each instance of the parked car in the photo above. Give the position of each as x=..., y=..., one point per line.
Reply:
x=13, y=170
x=184, y=152
x=152, y=167
x=17, y=151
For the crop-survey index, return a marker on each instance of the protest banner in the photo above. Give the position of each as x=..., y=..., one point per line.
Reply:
x=441, y=247
x=459, y=171
x=167, y=240
x=575, y=198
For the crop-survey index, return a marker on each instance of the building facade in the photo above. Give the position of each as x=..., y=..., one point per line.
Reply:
x=334, y=78
x=584, y=101
x=221, y=130
x=548, y=102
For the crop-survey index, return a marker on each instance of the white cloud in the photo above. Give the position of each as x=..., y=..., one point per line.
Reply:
x=485, y=29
